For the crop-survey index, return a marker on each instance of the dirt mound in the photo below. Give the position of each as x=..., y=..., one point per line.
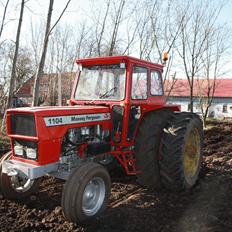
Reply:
x=208, y=207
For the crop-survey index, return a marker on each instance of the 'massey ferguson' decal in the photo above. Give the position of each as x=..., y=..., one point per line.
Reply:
x=73, y=119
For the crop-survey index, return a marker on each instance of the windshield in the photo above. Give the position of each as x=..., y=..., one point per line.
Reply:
x=101, y=82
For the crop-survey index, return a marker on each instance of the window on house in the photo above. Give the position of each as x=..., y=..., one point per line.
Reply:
x=29, y=100
x=156, y=83
x=198, y=106
x=225, y=108
x=139, y=83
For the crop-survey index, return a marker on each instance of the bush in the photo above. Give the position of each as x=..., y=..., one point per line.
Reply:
x=4, y=141
x=4, y=144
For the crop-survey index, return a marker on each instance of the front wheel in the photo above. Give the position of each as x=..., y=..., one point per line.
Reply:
x=16, y=187
x=86, y=193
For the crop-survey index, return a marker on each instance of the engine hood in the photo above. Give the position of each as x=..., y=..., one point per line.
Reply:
x=53, y=122
x=60, y=110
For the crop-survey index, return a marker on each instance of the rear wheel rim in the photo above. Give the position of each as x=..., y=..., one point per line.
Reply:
x=192, y=154
x=93, y=196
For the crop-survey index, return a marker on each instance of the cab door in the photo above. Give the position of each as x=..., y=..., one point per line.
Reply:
x=139, y=97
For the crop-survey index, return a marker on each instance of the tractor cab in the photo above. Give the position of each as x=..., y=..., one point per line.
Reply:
x=128, y=86
x=118, y=80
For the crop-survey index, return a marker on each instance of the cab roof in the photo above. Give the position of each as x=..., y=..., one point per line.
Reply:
x=116, y=60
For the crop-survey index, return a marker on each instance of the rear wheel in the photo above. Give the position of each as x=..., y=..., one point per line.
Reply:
x=86, y=193
x=16, y=187
x=181, y=151
x=147, y=144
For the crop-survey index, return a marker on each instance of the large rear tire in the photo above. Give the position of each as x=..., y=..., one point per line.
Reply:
x=181, y=151
x=15, y=187
x=147, y=144
x=86, y=193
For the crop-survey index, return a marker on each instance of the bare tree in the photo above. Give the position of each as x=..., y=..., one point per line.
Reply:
x=39, y=73
x=131, y=31
x=35, y=41
x=48, y=31
x=212, y=61
x=6, y=49
x=117, y=21
x=193, y=41
x=13, y=71
x=104, y=27
x=99, y=36
x=3, y=17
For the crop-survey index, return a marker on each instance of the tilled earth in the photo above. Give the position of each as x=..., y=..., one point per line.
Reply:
x=208, y=207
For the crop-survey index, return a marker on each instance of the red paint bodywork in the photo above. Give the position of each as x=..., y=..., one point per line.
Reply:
x=50, y=138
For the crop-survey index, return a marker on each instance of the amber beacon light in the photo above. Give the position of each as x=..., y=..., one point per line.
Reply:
x=165, y=56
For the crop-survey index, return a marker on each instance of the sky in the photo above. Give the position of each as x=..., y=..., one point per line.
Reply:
x=78, y=9
x=226, y=14
x=37, y=9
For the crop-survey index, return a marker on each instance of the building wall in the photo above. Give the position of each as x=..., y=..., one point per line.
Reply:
x=221, y=107
x=48, y=90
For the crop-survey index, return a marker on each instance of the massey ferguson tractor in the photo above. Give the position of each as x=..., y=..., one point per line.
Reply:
x=117, y=114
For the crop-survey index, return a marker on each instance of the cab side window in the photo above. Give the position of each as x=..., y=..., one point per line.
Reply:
x=139, y=83
x=156, y=83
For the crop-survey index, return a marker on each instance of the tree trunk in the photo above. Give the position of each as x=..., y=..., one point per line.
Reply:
x=39, y=73
x=13, y=71
x=3, y=18
x=191, y=99
x=12, y=86
x=116, y=26
x=59, y=90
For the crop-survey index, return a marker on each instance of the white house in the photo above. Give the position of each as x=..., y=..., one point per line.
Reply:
x=178, y=91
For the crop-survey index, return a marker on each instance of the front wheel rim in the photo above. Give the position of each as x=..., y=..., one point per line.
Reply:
x=21, y=184
x=93, y=196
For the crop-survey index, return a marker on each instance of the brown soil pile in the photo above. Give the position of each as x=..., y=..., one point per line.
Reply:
x=208, y=207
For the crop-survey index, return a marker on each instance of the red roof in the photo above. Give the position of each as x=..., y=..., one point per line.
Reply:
x=27, y=87
x=180, y=87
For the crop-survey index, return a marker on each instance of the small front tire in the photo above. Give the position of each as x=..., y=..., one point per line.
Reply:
x=16, y=187
x=86, y=193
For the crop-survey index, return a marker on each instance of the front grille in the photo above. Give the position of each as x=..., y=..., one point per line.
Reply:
x=22, y=124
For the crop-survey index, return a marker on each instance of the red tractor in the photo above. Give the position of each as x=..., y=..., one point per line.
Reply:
x=117, y=114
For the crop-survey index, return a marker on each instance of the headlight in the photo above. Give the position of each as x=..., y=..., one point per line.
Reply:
x=18, y=150
x=31, y=153
x=25, y=149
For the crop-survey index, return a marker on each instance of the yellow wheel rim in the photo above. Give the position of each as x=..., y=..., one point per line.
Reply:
x=192, y=154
